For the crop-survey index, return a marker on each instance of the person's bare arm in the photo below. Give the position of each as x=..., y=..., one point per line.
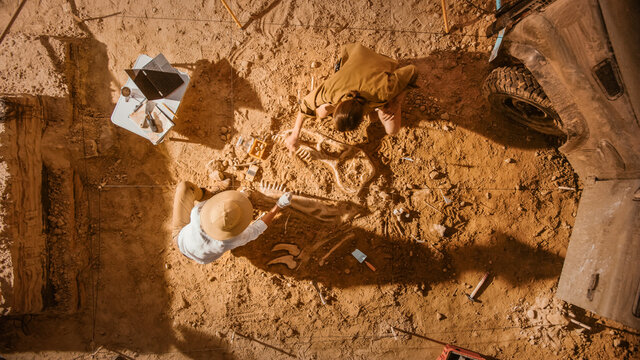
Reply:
x=268, y=217
x=292, y=140
x=283, y=202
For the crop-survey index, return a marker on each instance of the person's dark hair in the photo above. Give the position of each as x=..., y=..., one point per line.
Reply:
x=348, y=113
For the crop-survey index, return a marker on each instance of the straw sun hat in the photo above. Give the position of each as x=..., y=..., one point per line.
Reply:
x=226, y=215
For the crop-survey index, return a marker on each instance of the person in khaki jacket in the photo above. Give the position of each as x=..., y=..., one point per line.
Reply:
x=219, y=222
x=365, y=81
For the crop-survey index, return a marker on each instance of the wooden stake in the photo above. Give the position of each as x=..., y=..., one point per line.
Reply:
x=233, y=15
x=444, y=16
x=13, y=18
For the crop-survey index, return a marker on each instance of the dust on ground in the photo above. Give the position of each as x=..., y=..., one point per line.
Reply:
x=481, y=193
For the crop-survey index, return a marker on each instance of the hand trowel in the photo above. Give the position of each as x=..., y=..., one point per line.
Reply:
x=361, y=257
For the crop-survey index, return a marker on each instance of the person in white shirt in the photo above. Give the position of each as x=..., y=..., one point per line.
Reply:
x=220, y=223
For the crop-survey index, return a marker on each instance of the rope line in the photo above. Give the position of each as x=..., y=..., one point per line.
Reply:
x=324, y=27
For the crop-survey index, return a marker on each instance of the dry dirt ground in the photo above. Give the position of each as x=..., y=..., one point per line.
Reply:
x=138, y=297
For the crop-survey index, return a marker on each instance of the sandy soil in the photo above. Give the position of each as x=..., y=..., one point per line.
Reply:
x=139, y=297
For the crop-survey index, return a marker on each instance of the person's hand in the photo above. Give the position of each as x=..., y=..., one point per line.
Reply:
x=385, y=114
x=324, y=110
x=285, y=200
x=291, y=142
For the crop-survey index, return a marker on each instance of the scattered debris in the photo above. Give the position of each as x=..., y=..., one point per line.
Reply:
x=252, y=172
x=435, y=175
x=315, y=285
x=216, y=175
x=446, y=199
x=439, y=229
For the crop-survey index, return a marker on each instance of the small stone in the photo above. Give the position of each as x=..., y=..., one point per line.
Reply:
x=216, y=175
x=212, y=278
x=440, y=316
x=439, y=229
x=444, y=116
x=617, y=342
x=224, y=129
x=532, y=314
x=488, y=195
x=383, y=195
x=518, y=187
x=446, y=128
x=315, y=64
x=434, y=175
x=223, y=137
x=423, y=108
x=554, y=178
x=347, y=271
x=167, y=266
x=509, y=161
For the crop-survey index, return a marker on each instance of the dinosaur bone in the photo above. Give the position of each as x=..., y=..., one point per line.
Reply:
x=285, y=259
x=323, y=210
x=292, y=249
x=351, y=167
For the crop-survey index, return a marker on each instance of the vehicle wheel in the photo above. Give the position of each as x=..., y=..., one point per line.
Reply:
x=513, y=91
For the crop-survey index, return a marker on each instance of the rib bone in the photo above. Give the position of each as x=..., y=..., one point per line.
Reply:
x=285, y=259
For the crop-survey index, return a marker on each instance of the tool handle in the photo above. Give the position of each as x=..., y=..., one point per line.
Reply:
x=370, y=266
x=475, y=291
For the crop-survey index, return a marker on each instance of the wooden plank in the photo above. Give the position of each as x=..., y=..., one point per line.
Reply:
x=601, y=272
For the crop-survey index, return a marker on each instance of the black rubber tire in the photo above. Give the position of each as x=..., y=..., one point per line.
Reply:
x=513, y=91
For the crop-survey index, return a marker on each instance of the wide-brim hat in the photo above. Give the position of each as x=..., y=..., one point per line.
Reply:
x=226, y=215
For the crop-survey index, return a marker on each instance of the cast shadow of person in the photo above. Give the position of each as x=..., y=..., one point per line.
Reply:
x=108, y=263
x=396, y=260
x=206, y=113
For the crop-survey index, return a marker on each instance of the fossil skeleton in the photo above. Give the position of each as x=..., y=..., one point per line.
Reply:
x=351, y=167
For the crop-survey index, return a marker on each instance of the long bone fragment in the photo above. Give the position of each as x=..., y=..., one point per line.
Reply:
x=330, y=211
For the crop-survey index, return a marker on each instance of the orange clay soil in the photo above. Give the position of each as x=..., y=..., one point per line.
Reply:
x=136, y=295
